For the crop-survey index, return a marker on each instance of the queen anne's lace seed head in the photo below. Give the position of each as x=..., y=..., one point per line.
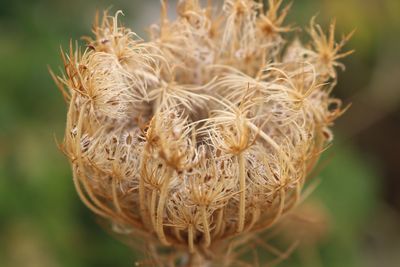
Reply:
x=205, y=133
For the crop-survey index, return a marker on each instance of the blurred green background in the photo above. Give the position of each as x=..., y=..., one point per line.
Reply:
x=42, y=221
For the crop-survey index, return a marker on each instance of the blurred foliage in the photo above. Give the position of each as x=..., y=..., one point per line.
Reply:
x=42, y=221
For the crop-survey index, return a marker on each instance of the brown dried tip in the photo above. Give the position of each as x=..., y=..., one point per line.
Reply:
x=204, y=135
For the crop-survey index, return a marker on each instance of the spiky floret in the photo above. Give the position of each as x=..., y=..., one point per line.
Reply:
x=204, y=135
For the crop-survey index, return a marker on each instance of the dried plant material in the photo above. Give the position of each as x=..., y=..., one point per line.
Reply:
x=204, y=135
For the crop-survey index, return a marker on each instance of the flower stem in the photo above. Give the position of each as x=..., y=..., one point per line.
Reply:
x=242, y=185
x=206, y=228
x=160, y=209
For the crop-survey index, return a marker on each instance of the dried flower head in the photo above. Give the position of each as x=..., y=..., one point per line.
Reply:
x=204, y=135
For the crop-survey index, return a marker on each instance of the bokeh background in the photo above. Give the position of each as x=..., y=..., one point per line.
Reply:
x=352, y=219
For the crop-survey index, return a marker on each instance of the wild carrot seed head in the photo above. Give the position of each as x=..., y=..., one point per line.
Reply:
x=206, y=132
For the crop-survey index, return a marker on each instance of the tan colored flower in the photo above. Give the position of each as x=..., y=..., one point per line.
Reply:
x=203, y=136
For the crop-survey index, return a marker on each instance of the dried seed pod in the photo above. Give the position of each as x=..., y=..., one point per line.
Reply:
x=204, y=135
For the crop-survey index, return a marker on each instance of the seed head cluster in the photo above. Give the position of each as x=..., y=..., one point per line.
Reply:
x=206, y=132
